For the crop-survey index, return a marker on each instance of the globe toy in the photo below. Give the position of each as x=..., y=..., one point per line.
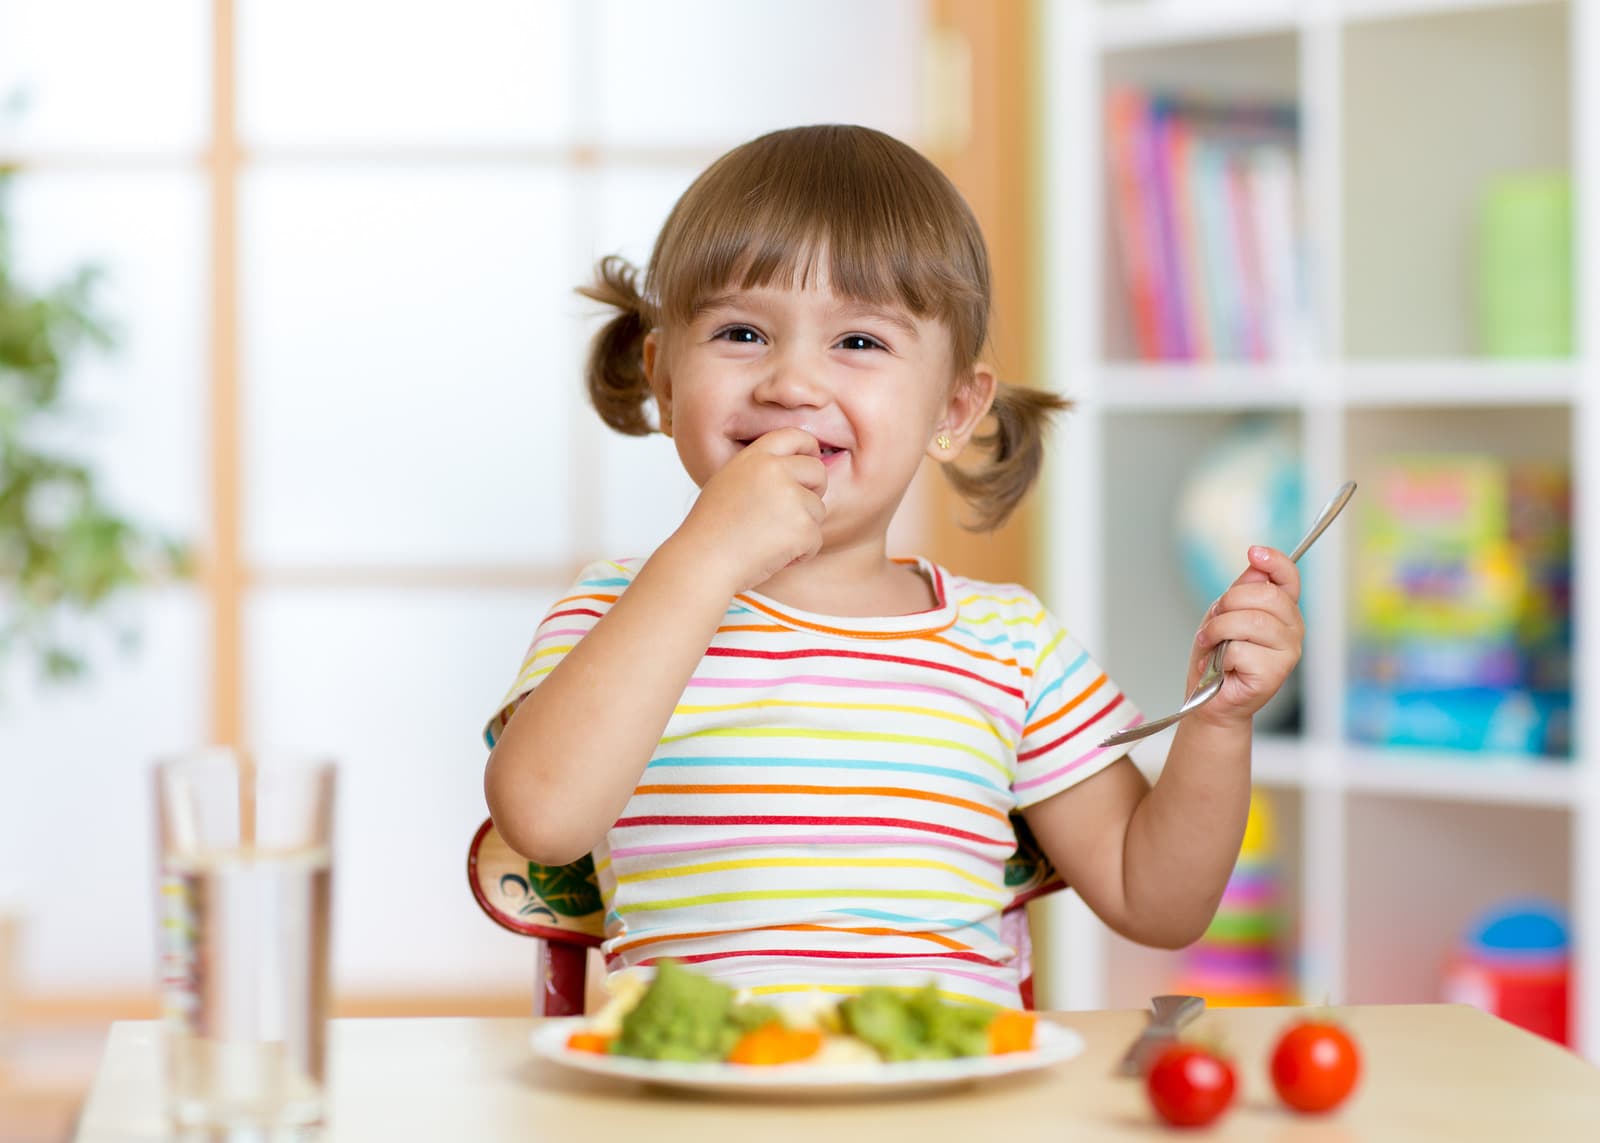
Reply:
x=1245, y=489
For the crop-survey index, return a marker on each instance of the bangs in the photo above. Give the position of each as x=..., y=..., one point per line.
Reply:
x=850, y=205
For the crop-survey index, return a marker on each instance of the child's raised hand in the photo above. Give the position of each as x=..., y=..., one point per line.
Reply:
x=1259, y=615
x=763, y=510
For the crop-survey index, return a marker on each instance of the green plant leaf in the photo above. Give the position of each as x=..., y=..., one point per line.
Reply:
x=63, y=548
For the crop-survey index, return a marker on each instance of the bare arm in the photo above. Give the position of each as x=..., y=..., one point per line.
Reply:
x=575, y=747
x=1153, y=861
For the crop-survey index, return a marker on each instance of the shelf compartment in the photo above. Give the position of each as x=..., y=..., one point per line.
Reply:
x=1435, y=106
x=1461, y=578
x=1419, y=873
x=1201, y=245
x=1152, y=608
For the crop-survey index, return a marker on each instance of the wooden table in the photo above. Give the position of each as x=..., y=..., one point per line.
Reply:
x=1433, y=1072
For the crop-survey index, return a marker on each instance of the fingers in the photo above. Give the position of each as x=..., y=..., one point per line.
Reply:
x=1261, y=596
x=802, y=460
x=1262, y=601
x=1269, y=565
x=788, y=442
x=1255, y=628
x=809, y=472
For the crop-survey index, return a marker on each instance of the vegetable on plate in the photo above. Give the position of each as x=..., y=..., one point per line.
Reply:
x=684, y=1016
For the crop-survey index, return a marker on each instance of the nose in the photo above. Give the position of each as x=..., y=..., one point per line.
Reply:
x=792, y=381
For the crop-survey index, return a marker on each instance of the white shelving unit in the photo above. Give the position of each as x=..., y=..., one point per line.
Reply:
x=1405, y=107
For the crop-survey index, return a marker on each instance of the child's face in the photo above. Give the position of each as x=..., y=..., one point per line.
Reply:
x=874, y=385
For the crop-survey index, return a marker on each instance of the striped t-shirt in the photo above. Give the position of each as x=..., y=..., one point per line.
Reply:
x=828, y=807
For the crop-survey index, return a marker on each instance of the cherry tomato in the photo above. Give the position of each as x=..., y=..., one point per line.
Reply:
x=1315, y=1065
x=1189, y=1086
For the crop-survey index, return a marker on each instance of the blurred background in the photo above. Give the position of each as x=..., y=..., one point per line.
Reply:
x=296, y=450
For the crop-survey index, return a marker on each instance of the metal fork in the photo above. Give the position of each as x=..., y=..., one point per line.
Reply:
x=1211, y=681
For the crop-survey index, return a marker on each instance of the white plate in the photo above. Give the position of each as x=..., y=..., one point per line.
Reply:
x=1053, y=1044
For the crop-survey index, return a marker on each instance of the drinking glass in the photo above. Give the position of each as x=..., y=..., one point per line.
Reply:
x=245, y=886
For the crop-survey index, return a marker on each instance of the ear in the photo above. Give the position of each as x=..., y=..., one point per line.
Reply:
x=968, y=404
x=656, y=373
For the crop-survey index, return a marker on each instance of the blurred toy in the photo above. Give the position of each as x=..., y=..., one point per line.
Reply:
x=1239, y=961
x=1524, y=269
x=1245, y=489
x=1515, y=963
x=1461, y=616
x=1492, y=719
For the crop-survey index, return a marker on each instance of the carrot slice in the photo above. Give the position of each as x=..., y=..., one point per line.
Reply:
x=1011, y=1031
x=775, y=1044
x=588, y=1042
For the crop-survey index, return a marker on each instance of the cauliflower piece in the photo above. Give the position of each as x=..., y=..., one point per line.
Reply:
x=626, y=988
x=845, y=1050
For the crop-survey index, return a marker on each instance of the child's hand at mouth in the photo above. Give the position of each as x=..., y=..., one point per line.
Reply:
x=827, y=450
x=763, y=510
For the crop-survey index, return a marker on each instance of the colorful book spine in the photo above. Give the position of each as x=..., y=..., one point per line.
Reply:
x=1133, y=195
x=1204, y=204
x=1247, y=251
x=1177, y=340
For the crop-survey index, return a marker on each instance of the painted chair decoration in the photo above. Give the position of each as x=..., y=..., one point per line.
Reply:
x=560, y=906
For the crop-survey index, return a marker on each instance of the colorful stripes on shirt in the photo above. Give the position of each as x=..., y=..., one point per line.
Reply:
x=829, y=805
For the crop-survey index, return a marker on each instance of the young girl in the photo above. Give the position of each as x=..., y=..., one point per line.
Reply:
x=792, y=755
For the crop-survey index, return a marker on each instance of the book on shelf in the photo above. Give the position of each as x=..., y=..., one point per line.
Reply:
x=1204, y=205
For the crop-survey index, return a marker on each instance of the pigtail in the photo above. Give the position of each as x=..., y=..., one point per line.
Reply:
x=1016, y=452
x=615, y=375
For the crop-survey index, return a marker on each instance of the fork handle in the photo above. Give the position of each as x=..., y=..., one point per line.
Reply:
x=1213, y=668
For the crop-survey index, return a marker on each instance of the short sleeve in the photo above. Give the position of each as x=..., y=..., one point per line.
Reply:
x=570, y=618
x=1072, y=706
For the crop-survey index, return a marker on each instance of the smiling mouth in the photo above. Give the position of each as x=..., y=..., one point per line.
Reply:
x=827, y=449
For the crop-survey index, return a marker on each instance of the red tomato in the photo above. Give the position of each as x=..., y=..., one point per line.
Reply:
x=1315, y=1065
x=1188, y=1085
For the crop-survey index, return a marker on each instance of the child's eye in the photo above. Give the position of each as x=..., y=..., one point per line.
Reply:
x=860, y=341
x=740, y=334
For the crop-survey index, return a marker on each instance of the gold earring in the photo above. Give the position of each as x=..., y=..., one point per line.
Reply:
x=942, y=440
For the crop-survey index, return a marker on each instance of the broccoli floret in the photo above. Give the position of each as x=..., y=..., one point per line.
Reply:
x=748, y=1017
x=686, y=1016
x=682, y=1016
x=917, y=1027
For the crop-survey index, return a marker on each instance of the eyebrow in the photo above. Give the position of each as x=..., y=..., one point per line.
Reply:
x=893, y=317
x=847, y=309
x=719, y=302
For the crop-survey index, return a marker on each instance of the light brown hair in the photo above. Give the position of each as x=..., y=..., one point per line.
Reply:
x=892, y=229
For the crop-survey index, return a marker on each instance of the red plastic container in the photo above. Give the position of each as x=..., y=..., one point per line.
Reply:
x=1515, y=965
